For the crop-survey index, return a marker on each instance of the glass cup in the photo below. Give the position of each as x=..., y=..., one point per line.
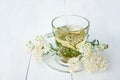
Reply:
x=69, y=31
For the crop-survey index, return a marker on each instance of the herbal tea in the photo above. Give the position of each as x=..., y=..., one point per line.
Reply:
x=67, y=38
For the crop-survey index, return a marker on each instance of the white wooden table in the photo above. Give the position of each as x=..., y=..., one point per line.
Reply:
x=21, y=20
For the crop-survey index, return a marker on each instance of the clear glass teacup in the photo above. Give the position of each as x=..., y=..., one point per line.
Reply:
x=69, y=31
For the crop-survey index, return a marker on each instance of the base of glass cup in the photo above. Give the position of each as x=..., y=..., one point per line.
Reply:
x=54, y=61
x=61, y=61
x=64, y=59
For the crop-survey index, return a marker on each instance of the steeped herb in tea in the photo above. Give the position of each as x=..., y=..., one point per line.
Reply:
x=67, y=38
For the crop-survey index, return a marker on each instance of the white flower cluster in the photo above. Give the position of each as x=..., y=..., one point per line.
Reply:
x=29, y=46
x=94, y=62
x=73, y=64
x=100, y=48
x=86, y=48
x=92, y=58
x=40, y=47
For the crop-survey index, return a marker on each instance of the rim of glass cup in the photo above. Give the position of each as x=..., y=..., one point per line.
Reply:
x=52, y=23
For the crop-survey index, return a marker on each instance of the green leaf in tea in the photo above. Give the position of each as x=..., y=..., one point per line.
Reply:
x=67, y=40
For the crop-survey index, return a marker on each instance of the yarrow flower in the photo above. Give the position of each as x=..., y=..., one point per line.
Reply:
x=92, y=58
x=40, y=47
x=94, y=62
x=73, y=64
x=42, y=44
x=86, y=48
x=100, y=48
x=29, y=46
